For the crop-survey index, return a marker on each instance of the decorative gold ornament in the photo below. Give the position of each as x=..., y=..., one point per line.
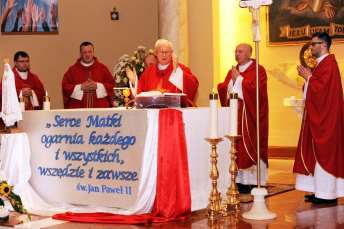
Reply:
x=214, y=206
x=232, y=203
x=306, y=57
x=126, y=92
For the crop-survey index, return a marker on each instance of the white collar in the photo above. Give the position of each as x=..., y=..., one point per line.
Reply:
x=243, y=67
x=319, y=59
x=22, y=75
x=163, y=66
x=86, y=64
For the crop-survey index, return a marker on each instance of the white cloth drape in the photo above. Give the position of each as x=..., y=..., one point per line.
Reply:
x=15, y=168
x=176, y=78
x=173, y=26
x=15, y=164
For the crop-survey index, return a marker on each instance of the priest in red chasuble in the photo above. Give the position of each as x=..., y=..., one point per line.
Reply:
x=88, y=83
x=319, y=161
x=28, y=84
x=167, y=75
x=241, y=79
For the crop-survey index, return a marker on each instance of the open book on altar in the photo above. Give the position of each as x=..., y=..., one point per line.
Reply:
x=158, y=93
x=158, y=99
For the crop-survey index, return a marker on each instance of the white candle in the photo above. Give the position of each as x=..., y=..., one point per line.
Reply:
x=46, y=103
x=233, y=114
x=22, y=106
x=21, y=101
x=213, y=97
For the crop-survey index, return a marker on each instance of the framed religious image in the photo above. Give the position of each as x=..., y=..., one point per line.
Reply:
x=294, y=21
x=29, y=16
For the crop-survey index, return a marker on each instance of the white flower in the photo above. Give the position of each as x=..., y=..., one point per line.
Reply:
x=118, y=79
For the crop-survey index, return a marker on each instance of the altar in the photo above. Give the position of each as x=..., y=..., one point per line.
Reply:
x=106, y=159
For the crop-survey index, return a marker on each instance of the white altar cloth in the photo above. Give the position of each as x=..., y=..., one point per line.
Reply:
x=16, y=166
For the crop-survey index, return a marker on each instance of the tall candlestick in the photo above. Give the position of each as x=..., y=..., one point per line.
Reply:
x=233, y=114
x=213, y=97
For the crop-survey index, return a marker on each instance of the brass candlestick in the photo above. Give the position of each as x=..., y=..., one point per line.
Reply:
x=214, y=206
x=232, y=203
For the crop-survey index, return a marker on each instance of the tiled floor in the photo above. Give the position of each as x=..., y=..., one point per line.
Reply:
x=292, y=211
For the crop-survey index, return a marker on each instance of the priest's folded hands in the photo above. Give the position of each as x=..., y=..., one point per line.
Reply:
x=304, y=72
x=89, y=86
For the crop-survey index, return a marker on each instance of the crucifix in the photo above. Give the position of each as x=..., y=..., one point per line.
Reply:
x=259, y=210
x=254, y=6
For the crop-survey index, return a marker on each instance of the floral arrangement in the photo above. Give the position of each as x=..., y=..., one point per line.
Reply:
x=136, y=63
x=14, y=199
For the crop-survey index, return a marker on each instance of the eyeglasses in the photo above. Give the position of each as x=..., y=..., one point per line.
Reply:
x=164, y=52
x=316, y=43
x=23, y=61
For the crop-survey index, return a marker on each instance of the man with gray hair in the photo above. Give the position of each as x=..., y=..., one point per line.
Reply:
x=167, y=74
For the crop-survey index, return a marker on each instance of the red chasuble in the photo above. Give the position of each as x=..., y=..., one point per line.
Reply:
x=32, y=82
x=153, y=79
x=78, y=74
x=322, y=131
x=247, y=148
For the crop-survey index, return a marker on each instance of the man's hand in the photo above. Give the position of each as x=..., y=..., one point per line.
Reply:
x=235, y=73
x=304, y=72
x=329, y=9
x=42, y=15
x=10, y=4
x=27, y=15
x=35, y=17
x=89, y=86
x=27, y=92
x=53, y=15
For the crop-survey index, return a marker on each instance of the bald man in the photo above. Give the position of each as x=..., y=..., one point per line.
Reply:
x=167, y=75
x=241, y=79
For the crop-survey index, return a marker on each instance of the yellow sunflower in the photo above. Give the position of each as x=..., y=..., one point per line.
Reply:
x=5, y=189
